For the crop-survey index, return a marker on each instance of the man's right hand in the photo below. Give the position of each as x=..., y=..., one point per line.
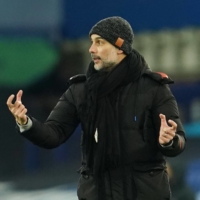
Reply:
x=17, y=108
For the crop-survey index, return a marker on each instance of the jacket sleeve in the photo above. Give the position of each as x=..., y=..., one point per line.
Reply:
x=58, y=127
x=165, y=103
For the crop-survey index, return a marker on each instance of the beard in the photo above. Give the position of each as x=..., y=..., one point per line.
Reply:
x=105, y=66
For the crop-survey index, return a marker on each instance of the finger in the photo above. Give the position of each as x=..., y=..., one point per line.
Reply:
x=19, y=95
x=171, y=133
x=163, y=120
x=165, y=138
x=18, y=110
x=164, y=135
x=163, y=142
x=22, y=115
x=16, y=107
x=173, y=124
x=19, y=113
x=18, y=104
x=168, y=135
x=9, y=101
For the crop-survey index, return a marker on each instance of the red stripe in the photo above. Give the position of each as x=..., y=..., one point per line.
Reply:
x=181, y=144
x=162, y=74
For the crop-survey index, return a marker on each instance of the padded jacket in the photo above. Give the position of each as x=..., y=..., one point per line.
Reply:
x=140, y=103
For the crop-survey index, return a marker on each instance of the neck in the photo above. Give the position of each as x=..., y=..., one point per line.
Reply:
x=121, y=57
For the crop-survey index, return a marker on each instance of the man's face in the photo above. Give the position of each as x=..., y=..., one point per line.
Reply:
x=104, y=54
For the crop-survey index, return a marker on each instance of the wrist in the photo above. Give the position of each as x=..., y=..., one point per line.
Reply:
x=24, y=122
x=169, y=144
x=25, y=127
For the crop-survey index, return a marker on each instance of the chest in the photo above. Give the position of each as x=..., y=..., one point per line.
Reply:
x=135, y=100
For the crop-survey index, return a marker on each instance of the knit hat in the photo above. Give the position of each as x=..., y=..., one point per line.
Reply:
x=115, y=30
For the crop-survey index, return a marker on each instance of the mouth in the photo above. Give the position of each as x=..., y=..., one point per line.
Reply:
x=96, y=58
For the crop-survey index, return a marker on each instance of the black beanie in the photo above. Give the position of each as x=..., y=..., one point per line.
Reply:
x=115, y=30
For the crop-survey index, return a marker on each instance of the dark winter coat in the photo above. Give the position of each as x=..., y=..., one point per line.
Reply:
x=140, y=105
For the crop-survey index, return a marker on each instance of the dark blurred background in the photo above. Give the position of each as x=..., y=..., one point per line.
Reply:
x=45, y=42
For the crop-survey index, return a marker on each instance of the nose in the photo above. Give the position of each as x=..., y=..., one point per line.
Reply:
x=92, y=49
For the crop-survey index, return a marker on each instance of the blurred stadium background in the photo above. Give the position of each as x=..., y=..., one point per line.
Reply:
x=44, y=42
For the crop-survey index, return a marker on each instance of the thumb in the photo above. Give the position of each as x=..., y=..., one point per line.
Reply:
x=19, y=95
x=163, y=120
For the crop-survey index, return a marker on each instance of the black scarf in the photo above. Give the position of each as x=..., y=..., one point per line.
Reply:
x=100, y=111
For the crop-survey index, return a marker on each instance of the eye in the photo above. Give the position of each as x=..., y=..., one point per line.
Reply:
x=99, y=42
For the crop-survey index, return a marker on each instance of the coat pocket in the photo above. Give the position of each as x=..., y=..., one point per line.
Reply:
x=153, y=184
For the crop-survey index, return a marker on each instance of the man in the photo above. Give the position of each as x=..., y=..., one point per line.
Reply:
x=128, y=115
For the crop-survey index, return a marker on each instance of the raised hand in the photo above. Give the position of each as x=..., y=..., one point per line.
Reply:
x=167, y=133
x=17, y=108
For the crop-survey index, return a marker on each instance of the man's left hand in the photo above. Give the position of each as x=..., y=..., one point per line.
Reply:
x=167, y=133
